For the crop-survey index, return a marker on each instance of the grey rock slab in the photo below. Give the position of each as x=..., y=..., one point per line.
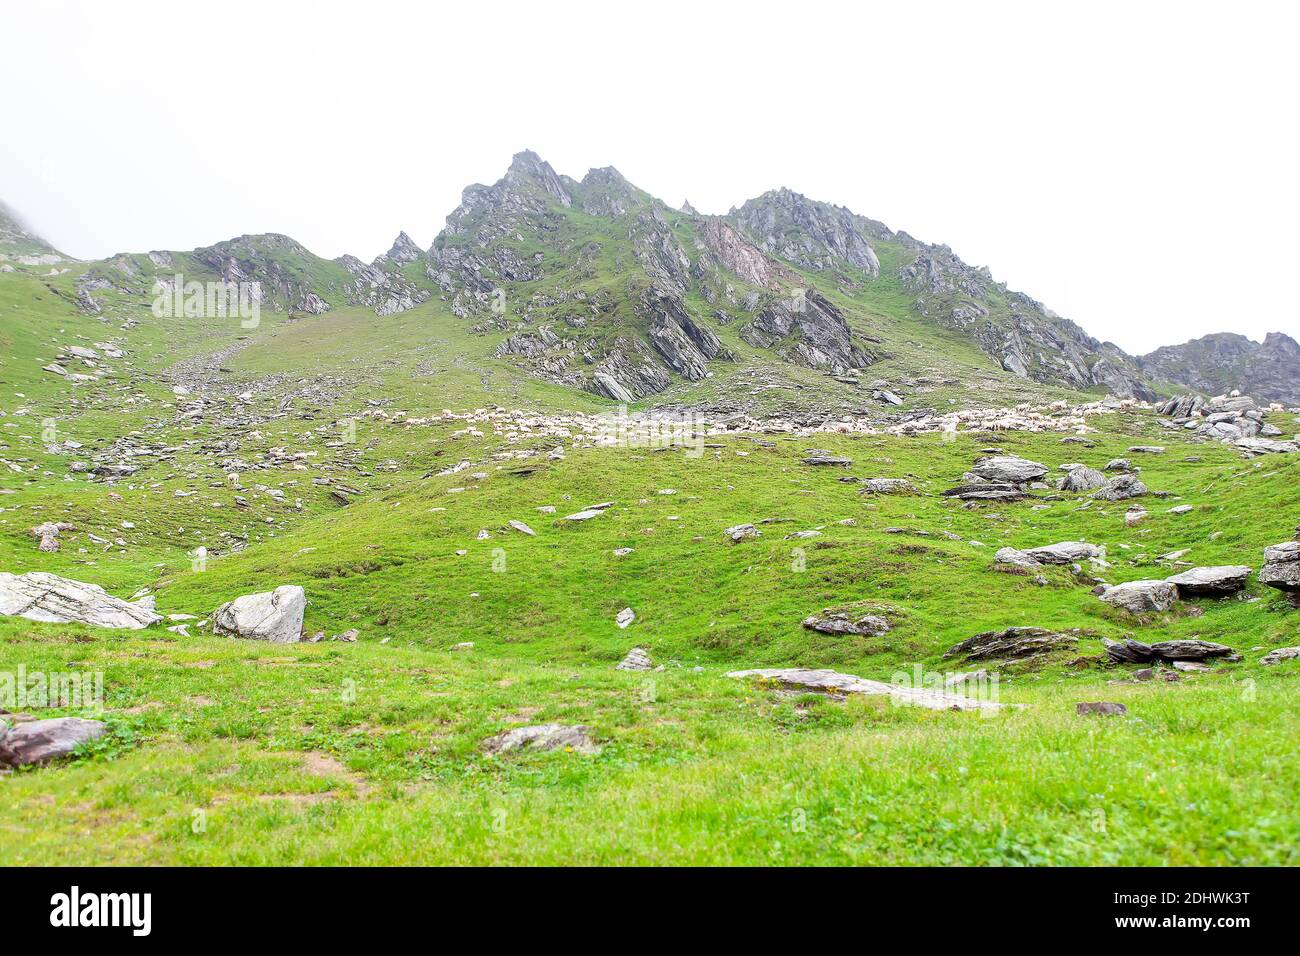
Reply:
x=1220, y=579
x=1009, y=468
x=1279, y=655
x=41, y=596
x=833, y=621
x=542, y=737
x=1103, y=708
x=1190, y=650
x=636, y=660
x=1017, y=643
x=41, y=741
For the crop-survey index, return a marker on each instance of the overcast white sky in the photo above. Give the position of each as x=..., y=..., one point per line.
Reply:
x=1131, y=166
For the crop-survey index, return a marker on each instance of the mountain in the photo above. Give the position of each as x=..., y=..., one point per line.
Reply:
x=1224, y=361
x=18, y=244
x=598, y=285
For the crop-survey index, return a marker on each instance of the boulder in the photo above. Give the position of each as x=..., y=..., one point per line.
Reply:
x=1017, y=643
x=1128, y=651
x=990, y=491
x=575, y=737
x=636, y=660
x=887, y=486
x=41, y=596
x=1019, y=559
x=41, y=741
x=820, y=456
x=1139, y=597
x=1065, y=552
x=1147, y=450
x=1190, y=650
x=832, y=621
x=624, y=618
x=1279, y=655
x=1009, y=469
x=1119, y=464
x=1103, y=708
x=1121, y=488
x=274, y=616
x=1281, y=568
x=1081, y=478
x=1221, y=579
x=832, y=682
x=741, y=532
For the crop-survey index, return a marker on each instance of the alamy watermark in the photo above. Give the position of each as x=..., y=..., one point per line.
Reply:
x=22, y=689
x=177, y=299
x=684, y=429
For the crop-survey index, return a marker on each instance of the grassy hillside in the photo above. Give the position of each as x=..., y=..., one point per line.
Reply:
x=229, y=751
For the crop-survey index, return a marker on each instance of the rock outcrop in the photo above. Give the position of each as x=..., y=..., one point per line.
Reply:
x=274, y=616
x=41, y=596
x=1219, y=363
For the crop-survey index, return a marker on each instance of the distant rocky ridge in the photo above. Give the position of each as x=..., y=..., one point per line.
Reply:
x=597, y=285
x=1219, y=363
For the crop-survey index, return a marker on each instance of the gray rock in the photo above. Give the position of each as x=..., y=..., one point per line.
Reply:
x=1147, y=450
x=274, y=616
x=820, y=456
x=636, y=660
x=1102, y=708
x=1065, y=552
x=741, y=532
x=1020, y=559
x=1119, y=464
x=1262, y=446
x=1189, y=650
x=843, y=621
x=578, y=738
x=832, y=682
x=1082, y=478
x=1121, y=488
x=1282, y=567
x=887, y=486
x=1279, y=655
x=521, y=527
x=1128, y=651
x=990, y=491
x=1221, y=579
x=1015, y=643
x=38, y=742
x=1139, y=597
x=41, y=596
x=1009, y=469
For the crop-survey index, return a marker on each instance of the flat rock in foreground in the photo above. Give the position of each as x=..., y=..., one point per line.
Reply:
x=41, y=741
x=274, y=616
x=41, y=596
x=833, y=682
x=543, y=737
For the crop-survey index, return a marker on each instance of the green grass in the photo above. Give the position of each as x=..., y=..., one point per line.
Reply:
x=226, y=751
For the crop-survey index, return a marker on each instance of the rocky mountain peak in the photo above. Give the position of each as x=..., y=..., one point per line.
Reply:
x=527, y=168
x=1218, y=363
x=810, y=234
x=404, y=250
